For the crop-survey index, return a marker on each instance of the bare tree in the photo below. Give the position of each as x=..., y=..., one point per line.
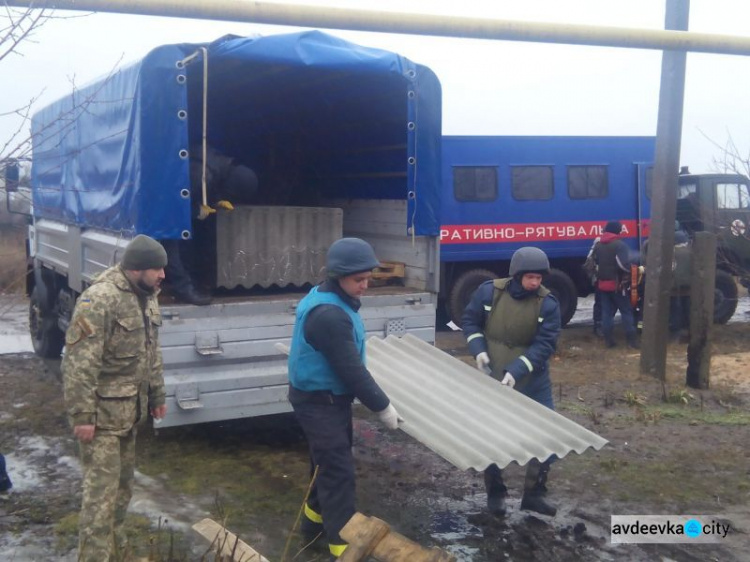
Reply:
x=730, y=160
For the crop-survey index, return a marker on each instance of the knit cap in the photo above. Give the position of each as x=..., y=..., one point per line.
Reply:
x=142, y=253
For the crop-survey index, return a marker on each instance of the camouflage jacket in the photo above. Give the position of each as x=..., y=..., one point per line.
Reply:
x=112, y=369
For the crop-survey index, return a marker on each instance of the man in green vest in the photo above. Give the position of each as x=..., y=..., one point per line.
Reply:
x=512, y=326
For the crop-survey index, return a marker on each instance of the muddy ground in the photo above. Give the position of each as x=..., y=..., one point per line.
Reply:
x=672, y=451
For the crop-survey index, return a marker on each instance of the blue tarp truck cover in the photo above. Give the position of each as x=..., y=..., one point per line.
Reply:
x=114, y=155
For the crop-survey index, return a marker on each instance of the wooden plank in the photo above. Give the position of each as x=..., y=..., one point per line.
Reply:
x=389, y=270
x=397, y=548
x=701, y=310
x=363, y=535
x=370, y=536
x=227, y=543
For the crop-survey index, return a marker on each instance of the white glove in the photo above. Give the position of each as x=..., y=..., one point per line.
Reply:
x=508, y=380
x=390, y=417
x=483, y=362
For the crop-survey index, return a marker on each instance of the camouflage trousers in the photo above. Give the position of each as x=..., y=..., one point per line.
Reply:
x=108, y=464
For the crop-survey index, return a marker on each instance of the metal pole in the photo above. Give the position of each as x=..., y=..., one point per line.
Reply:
x=663, y=199
x=408, y=23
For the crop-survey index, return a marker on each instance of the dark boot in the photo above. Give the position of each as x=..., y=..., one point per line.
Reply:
x=5, y=483
x=496, y=490
x=598, y=329
x=633, y=341
x=190, y=295
x=535, y=488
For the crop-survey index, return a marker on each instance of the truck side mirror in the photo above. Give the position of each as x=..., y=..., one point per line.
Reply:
x=11, y=176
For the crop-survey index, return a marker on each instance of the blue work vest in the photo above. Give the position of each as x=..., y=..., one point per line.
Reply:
x=309, y=370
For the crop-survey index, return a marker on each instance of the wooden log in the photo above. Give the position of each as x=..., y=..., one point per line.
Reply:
x=363, y=534
x=226, y=543
x=701, y=310
x=366, y=538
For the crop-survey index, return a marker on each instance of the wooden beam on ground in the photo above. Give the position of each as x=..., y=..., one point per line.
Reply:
x=370, y=536
x=701, y=310
x=226, y=543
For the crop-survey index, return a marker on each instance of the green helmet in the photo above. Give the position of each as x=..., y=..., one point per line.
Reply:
x=348, y=256
x=529, y=260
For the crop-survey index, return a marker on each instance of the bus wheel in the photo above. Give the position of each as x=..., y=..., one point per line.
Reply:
x=562, y=286
x=462, y=290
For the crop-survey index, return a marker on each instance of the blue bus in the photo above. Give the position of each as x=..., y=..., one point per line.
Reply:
x=500, y=193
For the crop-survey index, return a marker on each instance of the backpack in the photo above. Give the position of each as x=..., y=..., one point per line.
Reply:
x=589, y=266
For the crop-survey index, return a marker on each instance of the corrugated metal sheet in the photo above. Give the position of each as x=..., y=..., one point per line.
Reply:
x=465, y=416
x=265, y=245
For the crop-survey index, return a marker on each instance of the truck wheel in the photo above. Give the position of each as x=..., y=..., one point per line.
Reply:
x=462, y=290
x=562, y=286
x=725, y=299
x=46, y=336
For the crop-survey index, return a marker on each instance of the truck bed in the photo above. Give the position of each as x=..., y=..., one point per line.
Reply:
x=221, y=360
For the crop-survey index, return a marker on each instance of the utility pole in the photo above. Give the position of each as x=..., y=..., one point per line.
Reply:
x=663, y=199
x=327, y=17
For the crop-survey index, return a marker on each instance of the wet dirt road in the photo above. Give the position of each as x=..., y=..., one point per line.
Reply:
x=676, y=457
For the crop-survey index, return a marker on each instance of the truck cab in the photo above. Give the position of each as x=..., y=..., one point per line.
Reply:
x=719, y=203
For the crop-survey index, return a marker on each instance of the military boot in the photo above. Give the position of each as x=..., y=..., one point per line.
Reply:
x=535, y=488
x=633, y=342
x=496, y=490
x=5, y=483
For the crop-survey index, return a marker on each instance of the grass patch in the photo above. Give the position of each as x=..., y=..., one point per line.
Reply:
x=66, y=530
x=683, y=479
x=243, y=483
x=676, y=412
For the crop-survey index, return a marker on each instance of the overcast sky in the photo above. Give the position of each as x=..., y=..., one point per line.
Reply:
x=489, y=87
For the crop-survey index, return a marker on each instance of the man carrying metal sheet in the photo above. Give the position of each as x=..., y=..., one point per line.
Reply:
x=512, y=326
x=326, y=372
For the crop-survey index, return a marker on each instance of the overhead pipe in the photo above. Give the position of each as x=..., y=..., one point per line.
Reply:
x=408, y=23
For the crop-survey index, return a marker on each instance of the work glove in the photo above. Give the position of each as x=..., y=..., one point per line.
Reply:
x=205, y=211
x=225, y=205
x=390, y=417
x=508, y=380
x=483, y=362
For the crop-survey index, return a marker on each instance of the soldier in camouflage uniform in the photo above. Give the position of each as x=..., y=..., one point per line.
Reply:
x=112, y=372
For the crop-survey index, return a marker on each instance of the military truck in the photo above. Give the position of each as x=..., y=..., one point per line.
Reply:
x=345, y=141
x=719, y=203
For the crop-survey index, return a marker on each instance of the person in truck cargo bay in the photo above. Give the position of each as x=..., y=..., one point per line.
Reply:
x=326, y=372
x=227, y=182
x=112, y=376
x=512, y=326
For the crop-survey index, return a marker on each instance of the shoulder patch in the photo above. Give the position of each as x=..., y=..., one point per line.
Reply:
x=84, y=326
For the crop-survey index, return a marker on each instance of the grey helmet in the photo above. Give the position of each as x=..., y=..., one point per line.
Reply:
x=528, y=260
x=348, y=256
